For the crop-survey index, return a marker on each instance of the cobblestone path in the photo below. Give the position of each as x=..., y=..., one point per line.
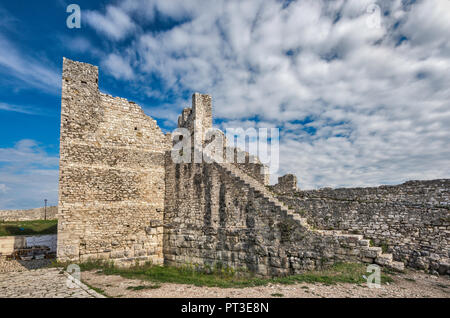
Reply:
x=42, y=283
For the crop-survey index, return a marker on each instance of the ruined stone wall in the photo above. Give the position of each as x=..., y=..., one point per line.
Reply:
x=411, y=220
x=286, y=183
x=198, y=120
x=252, y=166
x=213, y=219
x=122, y=198
x=29, y=215
x=219, y=214
x=111, y=187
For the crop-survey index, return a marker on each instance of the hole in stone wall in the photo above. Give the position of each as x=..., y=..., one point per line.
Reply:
x=135, y=128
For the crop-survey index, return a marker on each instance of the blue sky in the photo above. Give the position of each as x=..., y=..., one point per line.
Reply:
x=359, y=89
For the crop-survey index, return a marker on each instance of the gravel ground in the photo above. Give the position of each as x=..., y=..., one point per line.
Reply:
x=33, y=279
x=412, y=284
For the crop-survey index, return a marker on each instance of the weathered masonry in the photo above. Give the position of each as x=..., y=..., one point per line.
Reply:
x=111, y=188
x=122, y=198
x=409, y=220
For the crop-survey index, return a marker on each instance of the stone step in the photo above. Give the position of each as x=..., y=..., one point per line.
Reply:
x=369, y=253
x=398, y=266
x=355, y=237
x=302, y=221
x=384, y=259
x=364, y=242
x=372, y=252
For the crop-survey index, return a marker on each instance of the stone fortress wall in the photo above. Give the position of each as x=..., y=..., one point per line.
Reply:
x=28, y=215
x=222, y=214
x=123, y=198
x=111, y=187
x=410, y=220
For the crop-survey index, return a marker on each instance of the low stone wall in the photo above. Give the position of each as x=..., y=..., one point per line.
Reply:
x=411, y=220
x=10, y=243
x=29, y=215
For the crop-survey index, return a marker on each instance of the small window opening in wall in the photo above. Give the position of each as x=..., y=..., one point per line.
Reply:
x=180, y=138
x=135, y=128
x=83, y=82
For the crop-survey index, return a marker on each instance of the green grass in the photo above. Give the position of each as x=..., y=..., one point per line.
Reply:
x=339, y=273
x=142, y=287
x=38, y=227
x=277, y=295
x=384, y=247
x=98, y=290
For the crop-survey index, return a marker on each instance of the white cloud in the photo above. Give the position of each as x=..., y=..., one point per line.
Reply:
x=115, y=23
x=118, y=66
x=356, y=105
x=28, y=175
x=3, y=188
x=175, y=9
x=17, y=109
x=28, y=110
x=80, y=44
x=27, y=152
x=25, y=68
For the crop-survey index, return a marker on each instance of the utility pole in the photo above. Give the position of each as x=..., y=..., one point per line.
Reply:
x=45, y=209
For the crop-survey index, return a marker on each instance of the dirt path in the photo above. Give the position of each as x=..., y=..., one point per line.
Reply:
x=411, y=284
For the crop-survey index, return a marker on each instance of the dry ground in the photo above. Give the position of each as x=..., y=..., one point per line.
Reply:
x=25, y=279
x=410, y=284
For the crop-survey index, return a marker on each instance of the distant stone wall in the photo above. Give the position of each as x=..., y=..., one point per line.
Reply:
x=410, y=220
x=29, y=215
x=111, y=187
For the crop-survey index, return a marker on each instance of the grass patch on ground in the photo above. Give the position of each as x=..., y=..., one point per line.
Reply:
x=142, y=287
x=98, y=290
x=339, y=273
x=37, y=227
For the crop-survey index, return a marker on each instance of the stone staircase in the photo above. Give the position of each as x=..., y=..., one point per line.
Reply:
x=369, y=254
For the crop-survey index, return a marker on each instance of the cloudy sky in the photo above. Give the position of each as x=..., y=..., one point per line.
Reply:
x=359, y=89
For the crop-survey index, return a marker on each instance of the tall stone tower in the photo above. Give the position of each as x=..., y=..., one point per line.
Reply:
x=111, y=187
x=202, y=116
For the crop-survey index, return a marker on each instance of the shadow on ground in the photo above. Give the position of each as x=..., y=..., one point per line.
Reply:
x=36, y=264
